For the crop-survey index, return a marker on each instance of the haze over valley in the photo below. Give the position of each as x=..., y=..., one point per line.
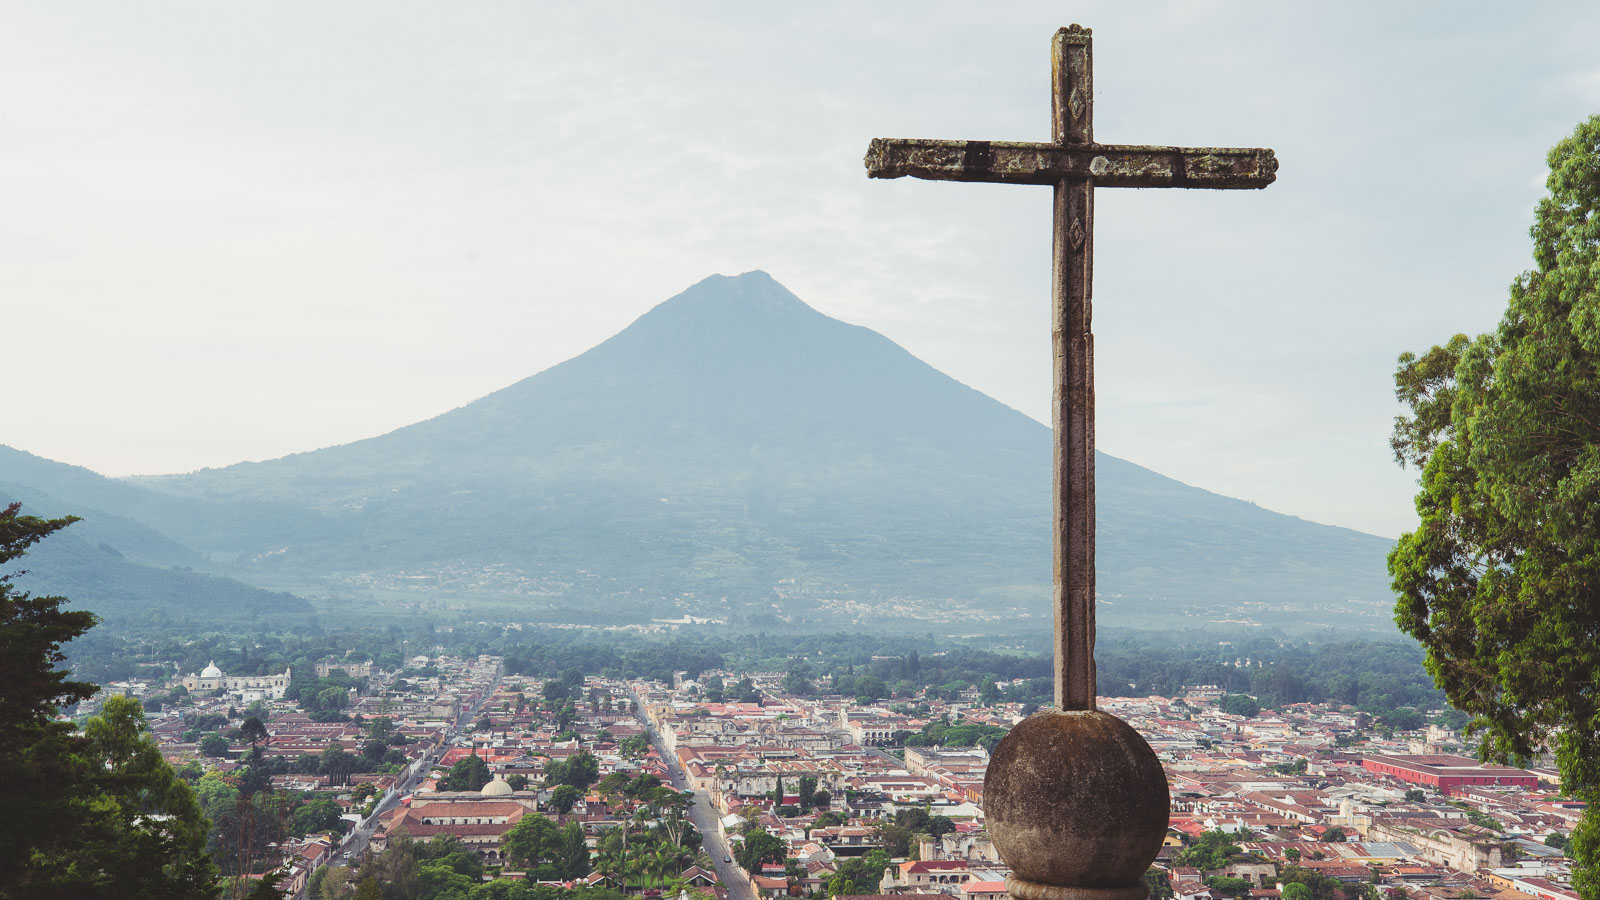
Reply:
x=732, y=455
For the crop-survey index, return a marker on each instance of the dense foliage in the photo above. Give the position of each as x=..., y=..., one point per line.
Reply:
x=1501, y=579
x=759, y=847
x=441, y=869
x=1212, y=850
x=97, y=814
x=467, y=774
x=858, y=874
x=547, y=851
x=939, y=734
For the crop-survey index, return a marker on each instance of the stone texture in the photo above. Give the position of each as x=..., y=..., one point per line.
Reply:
x=1076, y=799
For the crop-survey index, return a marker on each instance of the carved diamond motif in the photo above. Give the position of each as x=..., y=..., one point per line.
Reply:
x=1075, y=233
x=1075, y=104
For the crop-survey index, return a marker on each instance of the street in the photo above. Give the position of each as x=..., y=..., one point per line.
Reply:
x=704, y=817
x=355, y=843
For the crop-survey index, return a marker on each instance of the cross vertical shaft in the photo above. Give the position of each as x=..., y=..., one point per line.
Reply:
x=1072, y=412
x=1075, y=165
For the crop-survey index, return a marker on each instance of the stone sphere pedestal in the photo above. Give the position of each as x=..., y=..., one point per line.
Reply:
x=1077, y=806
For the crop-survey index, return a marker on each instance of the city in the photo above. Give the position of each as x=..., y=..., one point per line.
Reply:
x=769, y=794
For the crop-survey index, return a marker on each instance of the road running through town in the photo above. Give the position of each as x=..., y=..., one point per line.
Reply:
x=356, y=842
x=703, y=815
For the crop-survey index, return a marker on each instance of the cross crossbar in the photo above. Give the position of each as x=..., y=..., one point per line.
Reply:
x=1108, y=165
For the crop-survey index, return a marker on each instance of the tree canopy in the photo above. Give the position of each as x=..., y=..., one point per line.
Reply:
x=469, y=773
x=94, y=814
x=1501, y=579
x=759, y=846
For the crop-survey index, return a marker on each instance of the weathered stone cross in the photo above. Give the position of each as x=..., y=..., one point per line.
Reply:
x=1075, y=165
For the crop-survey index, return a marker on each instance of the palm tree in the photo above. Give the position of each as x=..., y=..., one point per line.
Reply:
x=677, y=858
x=660, y=863
x=609, y=863
x=632, y=867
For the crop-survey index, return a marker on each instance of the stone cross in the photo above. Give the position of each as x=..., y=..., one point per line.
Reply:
x=1074, y=164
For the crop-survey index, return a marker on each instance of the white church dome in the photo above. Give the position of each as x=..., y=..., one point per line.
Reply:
x=211, y=671
x=496, y=788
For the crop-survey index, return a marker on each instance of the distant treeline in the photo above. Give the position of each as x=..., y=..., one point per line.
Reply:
x=1375, y=676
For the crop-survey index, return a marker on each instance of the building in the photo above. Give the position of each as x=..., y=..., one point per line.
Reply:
x=1445, y=773
x=349, y=667
x=480, y=819
x=917, y=875
x=244, y=687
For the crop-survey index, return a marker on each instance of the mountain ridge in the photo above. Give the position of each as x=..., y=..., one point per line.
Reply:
x=735, y=448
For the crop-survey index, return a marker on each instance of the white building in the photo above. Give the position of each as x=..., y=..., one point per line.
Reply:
x=244, y=687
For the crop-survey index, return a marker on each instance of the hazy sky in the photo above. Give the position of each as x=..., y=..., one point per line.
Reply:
x=236, y=231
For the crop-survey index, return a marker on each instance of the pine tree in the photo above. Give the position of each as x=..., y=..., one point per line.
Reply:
x=94, y=815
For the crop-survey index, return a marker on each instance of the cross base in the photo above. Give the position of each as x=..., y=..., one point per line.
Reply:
x=1022, y=889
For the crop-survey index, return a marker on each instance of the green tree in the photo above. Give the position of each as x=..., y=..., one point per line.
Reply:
x=531, y=841
x=797, y=681
x=144, y=834
x=37, y=753
x=438, y=881
x=870, y=687
x=318, y=815
x=1240, y=705
x=470, y=773
x=564, y=797
x=1294, y=890
x=744, y=691
x=253, y=731
x=1228, y=886
x=571, y=852
x=1209, y=852
x=213, y=745
x=1158, y=884
x=581, y=770
x=337, y=765
x=864, y=872
x=1321, y=887
x=1500, y=581
x=759, y=846
x=896, y=839
x=807, y=789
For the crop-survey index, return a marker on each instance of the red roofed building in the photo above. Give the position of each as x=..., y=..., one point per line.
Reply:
x=770, y=887
x=480, y=824
x=1446, y=773
x=927, y=872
